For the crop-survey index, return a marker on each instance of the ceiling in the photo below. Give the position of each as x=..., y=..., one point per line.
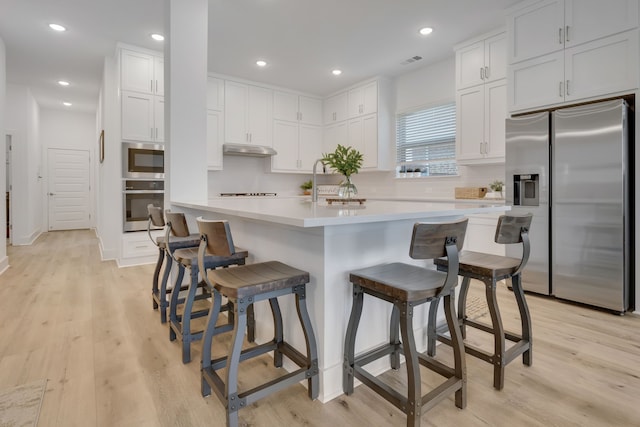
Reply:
x=301, y=40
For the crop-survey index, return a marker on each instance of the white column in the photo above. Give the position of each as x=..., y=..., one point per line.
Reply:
x=4, y=261
x=186, y=99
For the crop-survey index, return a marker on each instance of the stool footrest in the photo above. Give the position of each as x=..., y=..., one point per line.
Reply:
x=441, y=392
x=377, y=353
x=470, y=349
x=516, y=350
x=511, y=336
x=249, y=353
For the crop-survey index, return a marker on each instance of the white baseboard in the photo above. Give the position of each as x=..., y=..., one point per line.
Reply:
x=4, y=264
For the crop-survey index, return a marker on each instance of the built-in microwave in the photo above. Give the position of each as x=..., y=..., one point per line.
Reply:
x=142, y=160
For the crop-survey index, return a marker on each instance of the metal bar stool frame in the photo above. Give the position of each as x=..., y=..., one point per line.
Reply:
x=244, y=286
x=406, y=287
x=490, y=269
x=180, y=325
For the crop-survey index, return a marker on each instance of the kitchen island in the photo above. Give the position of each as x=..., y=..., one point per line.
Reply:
x=328, y=241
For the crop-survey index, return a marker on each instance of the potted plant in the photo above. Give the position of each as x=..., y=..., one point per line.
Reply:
x=306, y=187
x=496, y=187
x=347, y=161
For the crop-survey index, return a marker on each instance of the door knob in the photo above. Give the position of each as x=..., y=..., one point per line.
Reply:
x=52, y=194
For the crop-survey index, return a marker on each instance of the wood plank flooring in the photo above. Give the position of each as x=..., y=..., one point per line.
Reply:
x=88, y=327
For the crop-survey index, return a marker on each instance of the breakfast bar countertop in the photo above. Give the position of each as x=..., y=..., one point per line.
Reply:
x=301, y=212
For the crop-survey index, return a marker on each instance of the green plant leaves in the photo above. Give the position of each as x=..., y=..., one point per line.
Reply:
x=345, y=160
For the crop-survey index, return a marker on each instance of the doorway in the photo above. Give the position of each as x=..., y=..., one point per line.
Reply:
x=69, y=194
x=8, y=185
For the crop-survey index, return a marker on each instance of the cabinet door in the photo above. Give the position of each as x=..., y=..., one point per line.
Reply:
x=137, y=117
x=335, y=108
x=137, y=71
x=309, y=147
x=536, y=30
x=260, y=117
x=470, y=123
x=537, y=82
x=158, y=118
x=310, y=110
x=495, y=110
x=236, y=96
x=602, y=67
x=587, y=20
x=334, y=135
x=215, y=135
x=355, y=134
x=469, y=65
x=370, y=141
x=285, y=142
x=158, y=75
x=370, y=98
x=495, y=58
x=215, y=94
x=285, y=106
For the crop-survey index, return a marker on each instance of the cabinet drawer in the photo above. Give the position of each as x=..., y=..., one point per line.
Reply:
x=138, y=246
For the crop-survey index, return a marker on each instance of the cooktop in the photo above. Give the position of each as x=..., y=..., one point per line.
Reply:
x=246, y=194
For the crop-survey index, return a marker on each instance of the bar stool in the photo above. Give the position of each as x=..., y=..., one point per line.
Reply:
x=490, y=269
x=181, y=239
x=180, y=325
x=244, y=286
x=407, y=286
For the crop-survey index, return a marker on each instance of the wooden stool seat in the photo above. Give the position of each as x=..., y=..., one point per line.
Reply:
x=406, y=286
x=159, y=289
x=244, y=286
x=180, y=325
x=490, y=269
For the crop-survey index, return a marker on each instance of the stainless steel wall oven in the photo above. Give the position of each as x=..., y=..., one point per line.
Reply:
x=137, y=194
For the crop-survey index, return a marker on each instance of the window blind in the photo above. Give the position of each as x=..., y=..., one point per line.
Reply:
x=426, y=140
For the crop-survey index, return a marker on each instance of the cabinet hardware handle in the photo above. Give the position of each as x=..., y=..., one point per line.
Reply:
x=156, y=133
x=560, y=91
x=560, y=35
x=566, y=33
x=151, y=130
x=486, y=72
x=481, y=73
x=567, y=87
x=151, y=81
x=481, y=148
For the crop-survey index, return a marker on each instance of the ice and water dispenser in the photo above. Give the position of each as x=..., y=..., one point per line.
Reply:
x=526, y=189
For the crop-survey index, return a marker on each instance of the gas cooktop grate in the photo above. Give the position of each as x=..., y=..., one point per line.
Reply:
x=246, y=194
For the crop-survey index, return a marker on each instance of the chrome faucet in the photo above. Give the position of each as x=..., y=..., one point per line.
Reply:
x=314, y=190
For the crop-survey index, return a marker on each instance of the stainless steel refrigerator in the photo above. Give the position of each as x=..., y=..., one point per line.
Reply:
x=571, y=168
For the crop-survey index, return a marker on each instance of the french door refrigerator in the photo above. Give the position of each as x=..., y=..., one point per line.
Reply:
x=586, y=179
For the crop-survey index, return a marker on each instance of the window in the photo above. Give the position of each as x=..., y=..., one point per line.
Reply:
x=426, y=141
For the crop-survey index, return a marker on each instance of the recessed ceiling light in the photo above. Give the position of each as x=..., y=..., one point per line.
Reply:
x=67, y=104
x=63, y=83
x=336, y=72
x=426, y=31
x=157, y=37
x=57, y=27
x=261, y=63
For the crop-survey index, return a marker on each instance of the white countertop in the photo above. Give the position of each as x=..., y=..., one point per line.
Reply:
x=301, y=212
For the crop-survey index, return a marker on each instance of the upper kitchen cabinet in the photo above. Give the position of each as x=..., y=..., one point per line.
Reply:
x=142, y=117
x=215, y=94
x=297, y=108
x=544, y=27
x=362, y=100
x=215, y=122
x=248, y=117
x=481, y=99
x=336, y=108
x=142, y=72
x=481, y=60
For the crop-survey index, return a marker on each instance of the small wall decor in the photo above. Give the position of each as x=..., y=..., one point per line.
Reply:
x=101, y=146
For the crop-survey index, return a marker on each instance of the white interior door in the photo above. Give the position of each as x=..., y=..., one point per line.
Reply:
x=69, y=189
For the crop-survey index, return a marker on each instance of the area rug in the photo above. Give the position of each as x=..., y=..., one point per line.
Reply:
x=20, y=405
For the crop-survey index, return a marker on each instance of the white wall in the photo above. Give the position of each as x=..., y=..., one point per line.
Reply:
x=4, y=261
x=22, y=121
x=62, y=129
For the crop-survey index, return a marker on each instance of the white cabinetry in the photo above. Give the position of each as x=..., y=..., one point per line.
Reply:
x=297, y=132
x=142, y=117
x=481, y=100
x=480, y=62
x=336, y=108
x=363, y=136
x=335, y=134
x=564, y=51
x=480, y=236
x=248, y=114
x=215, y=122
x=142, y=72
x=363, y=100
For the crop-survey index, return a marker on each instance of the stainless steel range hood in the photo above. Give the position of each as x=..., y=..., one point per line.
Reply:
x=248, y=150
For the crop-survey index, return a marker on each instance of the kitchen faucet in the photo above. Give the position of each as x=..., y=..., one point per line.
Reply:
x=314, y=190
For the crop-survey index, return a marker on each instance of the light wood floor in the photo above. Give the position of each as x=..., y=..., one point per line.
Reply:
x=88, y=327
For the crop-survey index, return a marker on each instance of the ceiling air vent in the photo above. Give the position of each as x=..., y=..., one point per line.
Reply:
x=411, y=60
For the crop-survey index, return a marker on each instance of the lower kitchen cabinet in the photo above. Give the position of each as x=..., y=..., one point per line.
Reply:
x=137, y=248
x=480, y=236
